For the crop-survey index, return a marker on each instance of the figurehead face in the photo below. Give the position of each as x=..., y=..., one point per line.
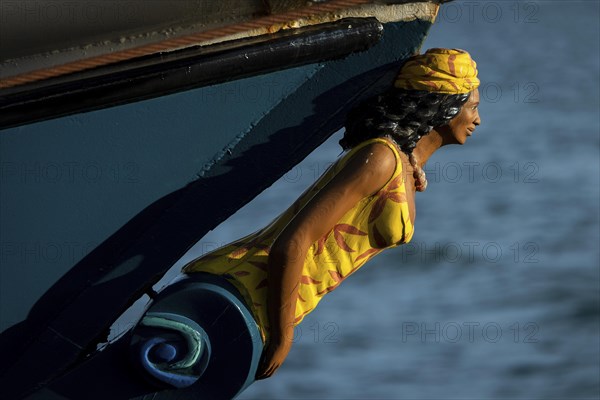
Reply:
x=466, y=121
x=430, y=92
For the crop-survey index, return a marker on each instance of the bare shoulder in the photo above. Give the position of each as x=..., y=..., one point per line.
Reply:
x=370, y=168
x=363, y=175
x=381, y=154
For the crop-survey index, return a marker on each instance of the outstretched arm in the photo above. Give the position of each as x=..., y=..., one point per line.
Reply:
x=363, y=175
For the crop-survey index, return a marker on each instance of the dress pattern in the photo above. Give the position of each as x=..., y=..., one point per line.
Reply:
x=377, y=222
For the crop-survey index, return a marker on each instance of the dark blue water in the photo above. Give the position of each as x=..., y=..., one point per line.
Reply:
x=497, y=295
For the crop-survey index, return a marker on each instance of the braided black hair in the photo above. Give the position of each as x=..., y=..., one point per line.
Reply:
x=405, y=115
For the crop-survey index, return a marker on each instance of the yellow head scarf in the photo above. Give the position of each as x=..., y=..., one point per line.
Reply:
x=450, y=71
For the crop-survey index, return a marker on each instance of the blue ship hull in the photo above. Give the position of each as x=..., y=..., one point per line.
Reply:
x=96, y=207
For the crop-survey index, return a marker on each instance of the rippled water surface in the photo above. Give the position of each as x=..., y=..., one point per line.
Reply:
x=497, y=295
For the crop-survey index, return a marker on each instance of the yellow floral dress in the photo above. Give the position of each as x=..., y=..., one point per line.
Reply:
x=377, y=222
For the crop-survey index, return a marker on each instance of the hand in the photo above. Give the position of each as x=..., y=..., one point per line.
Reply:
x=274, y=353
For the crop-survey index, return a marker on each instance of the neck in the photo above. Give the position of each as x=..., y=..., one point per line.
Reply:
x=427, y=145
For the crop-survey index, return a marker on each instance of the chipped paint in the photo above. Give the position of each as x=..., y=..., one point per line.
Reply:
x=123, y=41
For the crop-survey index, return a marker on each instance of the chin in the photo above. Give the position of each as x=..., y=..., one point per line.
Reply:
x=460, y=140
x=464, y=138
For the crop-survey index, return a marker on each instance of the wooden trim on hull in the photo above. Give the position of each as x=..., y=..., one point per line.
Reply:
x=160, y=74
x=55, y=54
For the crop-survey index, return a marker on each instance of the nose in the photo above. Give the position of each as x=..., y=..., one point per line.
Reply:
x=477, y=120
